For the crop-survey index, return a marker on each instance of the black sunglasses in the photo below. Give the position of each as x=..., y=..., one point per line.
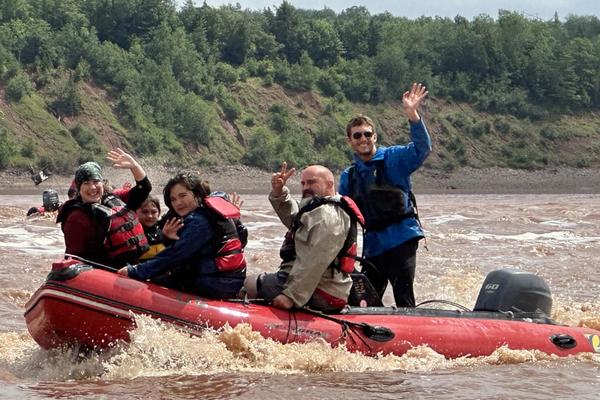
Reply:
x=358, y=135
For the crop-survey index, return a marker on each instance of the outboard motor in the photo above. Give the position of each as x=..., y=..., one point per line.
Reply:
x=516, y=291
x=50, y=200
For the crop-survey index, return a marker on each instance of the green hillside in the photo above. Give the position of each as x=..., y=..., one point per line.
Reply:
x=207, y=86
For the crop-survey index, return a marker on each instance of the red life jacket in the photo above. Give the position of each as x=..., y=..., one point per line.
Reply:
x=125, y=236
x=36, y=210
x=344, y=261
x=224, y=218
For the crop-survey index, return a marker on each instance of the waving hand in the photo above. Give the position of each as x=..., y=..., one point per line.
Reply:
x=412, y=99
x=121, y=159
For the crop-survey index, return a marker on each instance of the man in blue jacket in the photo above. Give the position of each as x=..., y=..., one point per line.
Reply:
x=379, y=182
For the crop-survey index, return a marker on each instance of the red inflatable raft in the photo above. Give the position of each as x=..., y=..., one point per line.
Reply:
x=81, y=305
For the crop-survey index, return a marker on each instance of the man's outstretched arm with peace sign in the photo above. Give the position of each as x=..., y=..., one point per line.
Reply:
x=278, y=197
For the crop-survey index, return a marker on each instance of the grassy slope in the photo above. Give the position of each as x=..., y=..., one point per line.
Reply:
x=32, y=127
x=461, y=136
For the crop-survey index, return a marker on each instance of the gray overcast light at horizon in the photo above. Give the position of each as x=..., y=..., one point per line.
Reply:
x=543, y=9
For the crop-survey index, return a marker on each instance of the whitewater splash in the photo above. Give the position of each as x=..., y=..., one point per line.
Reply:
x=452, y=269
x=159, y=349
x=46, y=240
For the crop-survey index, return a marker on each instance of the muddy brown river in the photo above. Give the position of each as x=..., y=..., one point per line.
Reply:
x=554, y=236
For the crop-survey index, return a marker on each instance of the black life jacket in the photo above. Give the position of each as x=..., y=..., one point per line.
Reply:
x=344, y=260
x=155, y=242
x=154, y=234
x=381, y=203
x=125, y=236
x=229, y=234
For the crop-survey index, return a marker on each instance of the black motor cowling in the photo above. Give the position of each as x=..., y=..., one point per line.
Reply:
x=516, y=291
x=50, y=200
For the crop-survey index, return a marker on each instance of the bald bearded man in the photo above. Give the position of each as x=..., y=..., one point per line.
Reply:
x=319, y=248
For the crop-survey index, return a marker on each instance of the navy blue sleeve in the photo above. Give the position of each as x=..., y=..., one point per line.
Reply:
x=194, y=239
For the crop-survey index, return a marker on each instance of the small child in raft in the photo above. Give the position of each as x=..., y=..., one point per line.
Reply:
x=149, y=215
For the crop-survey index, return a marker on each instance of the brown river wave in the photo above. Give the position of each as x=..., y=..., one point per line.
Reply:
x=556, y=236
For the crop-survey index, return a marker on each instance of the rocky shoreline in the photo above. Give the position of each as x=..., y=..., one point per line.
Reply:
x=246, y=180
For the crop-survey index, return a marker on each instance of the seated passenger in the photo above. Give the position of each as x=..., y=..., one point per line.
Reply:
x=99, y=226
x=319, y=248
x=149, y=213
x=207, y=258
x=158, y=231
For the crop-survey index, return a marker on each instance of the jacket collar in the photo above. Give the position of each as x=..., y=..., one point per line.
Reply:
x=379, y=153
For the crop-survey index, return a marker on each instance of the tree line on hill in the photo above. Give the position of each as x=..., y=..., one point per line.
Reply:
x=171, y=70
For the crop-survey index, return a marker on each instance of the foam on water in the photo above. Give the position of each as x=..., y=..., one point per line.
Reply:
x=558, y=242
x=264, y=243
x=549, y=237
x=159, y=349
x=560, y=223
x=260, y=215
x=445, y=219
x=38, y=240
x=259, y=225
x=570, y=312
